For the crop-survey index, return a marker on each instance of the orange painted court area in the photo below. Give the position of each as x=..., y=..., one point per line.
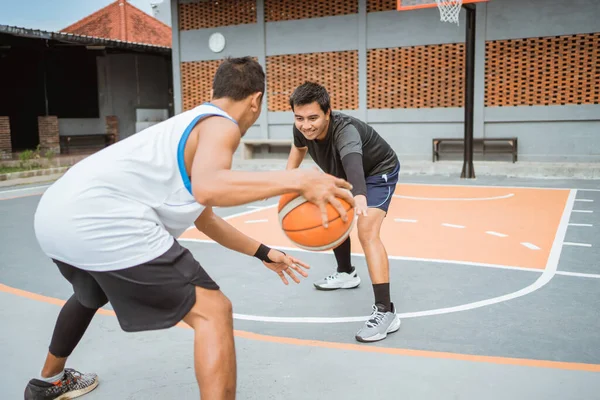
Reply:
x=489, y=225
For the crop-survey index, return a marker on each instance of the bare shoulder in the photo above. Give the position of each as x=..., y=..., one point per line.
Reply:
x=217, y=129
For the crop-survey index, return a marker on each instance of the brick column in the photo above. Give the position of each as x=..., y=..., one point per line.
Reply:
x=5, y=144
x=112, y=126
x=48, y=132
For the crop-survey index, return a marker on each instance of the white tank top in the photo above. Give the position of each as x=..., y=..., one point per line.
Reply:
x=125, y=204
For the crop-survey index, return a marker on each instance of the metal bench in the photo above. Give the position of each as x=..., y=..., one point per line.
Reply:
x=250, y=145
x=483, y=146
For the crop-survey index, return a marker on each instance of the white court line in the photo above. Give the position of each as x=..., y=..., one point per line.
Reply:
x=585, y=200
x=405, y=220
x=546, y=276
x=466, y=263
x=578, y=274
x=239, y=214
x=530, y=245
x=577, y=244
x=496, y=234
x=583, y=211
x=572, y=224
x=24, y=189
x=400, y=258
x=497, y=186
x=452, y=226
x=256, y=221
x=455, y=198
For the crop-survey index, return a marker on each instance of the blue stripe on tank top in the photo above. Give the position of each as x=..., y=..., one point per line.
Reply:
x=183, y=141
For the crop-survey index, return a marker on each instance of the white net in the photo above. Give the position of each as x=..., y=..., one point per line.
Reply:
x=449, y=10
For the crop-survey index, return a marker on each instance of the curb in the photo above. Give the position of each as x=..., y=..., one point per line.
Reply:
x=32, y=173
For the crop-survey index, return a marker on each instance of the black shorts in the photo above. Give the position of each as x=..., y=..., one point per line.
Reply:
x=154, y=295
x=380, y=189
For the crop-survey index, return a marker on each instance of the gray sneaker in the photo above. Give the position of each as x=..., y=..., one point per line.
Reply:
x=339, y=280
x=379, y=325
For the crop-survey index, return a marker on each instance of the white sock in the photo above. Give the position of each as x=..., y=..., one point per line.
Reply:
x=52, y=379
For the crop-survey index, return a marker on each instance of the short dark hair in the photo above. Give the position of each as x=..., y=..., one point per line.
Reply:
x=238, y=78
x=310, y=92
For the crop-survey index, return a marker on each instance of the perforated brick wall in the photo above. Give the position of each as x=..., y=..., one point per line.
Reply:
x=286, y=10
x=543, y=71
x=196, y=82
x=213, y=13
x=416, y=77
x=337, y=71
x=112, y=126
x=5, y=141
x=48, y=133
x=381, y=5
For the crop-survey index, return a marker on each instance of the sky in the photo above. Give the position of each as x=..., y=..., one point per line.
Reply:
x=54, y=15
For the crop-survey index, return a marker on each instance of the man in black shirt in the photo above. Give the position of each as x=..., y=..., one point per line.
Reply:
x=348, y=148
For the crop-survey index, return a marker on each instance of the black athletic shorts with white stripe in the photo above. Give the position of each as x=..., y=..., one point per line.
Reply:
x=154, y=295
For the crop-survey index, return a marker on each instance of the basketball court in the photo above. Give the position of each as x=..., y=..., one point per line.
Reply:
x=496, y=282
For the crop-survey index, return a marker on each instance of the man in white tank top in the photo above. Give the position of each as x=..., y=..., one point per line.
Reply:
x=110, y=225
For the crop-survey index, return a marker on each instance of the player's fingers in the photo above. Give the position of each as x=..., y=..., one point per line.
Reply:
x=339, y=207
x=300, y=270
x=299, y=262
x=345, y=195
x=324, y=218
x=282, y=276
x=292, y=275
x=343, y=183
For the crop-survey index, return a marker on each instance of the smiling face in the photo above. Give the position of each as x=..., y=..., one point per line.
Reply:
x=311, y=121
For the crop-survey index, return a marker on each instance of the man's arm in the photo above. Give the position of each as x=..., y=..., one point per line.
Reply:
x=227, y=236
x=223, y=233
x=296, y=156
x=215, y=184
x=349, y=145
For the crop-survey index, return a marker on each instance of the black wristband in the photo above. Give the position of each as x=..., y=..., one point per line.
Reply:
x=262, y=253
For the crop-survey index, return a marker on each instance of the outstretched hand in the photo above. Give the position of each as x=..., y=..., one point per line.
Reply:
x=288, y=264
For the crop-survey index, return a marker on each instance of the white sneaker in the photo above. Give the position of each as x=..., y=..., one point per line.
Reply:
x=339, y=280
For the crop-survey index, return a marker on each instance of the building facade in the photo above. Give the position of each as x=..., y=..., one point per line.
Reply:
x=537, y=68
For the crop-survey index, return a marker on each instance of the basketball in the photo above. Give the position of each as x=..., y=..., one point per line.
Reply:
x=301, y=222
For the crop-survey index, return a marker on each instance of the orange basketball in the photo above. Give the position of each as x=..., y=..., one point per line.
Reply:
x=301, y=222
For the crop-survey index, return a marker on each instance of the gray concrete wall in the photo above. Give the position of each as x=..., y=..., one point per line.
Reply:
x=546, y=133
x=126, y=83
x=129, y=82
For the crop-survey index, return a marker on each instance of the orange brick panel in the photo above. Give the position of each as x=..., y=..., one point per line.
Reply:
x=337, y=71
x=543, y=71
x=286, y=10
x=5, y=139
x=214, y=13
x=381, y=5
x=416, y=77
x=196, y=82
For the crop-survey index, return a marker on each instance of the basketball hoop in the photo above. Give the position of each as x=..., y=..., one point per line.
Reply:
x=449, y=10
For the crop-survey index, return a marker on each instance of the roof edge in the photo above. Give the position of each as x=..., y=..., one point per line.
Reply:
x=81, y=39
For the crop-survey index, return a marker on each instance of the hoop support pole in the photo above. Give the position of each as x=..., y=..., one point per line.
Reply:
x=468, y=170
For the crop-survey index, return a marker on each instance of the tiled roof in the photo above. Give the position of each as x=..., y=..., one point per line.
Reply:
x=123, y=21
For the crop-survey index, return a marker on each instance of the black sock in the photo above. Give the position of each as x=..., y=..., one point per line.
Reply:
x=71, y=324
x=342, y=256
x=382, y=295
